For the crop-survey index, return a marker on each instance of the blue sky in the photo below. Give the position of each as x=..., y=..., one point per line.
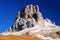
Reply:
x=9, y=8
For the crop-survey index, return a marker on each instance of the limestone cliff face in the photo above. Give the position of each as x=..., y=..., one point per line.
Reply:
x=27, y=18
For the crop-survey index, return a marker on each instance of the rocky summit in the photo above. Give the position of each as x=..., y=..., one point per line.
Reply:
x=31, y=25
x=27, y=18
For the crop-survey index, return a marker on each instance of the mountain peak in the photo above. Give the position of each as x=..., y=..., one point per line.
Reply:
x=31, y=22
x=29, y=11
x=27, y=18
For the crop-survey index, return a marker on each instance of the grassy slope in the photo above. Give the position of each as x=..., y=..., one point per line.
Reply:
x=23, y=37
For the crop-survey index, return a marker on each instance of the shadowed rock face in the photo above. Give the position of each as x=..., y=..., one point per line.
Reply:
x=27, y=18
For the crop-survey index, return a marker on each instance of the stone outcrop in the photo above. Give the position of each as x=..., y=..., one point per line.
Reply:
x=27, y=18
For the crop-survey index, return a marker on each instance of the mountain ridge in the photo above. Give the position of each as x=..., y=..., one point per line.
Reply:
x=30, y=21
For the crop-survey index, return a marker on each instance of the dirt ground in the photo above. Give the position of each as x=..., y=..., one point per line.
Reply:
x=23, y=37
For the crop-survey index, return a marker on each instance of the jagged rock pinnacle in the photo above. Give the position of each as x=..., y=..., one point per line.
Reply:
x=27, y=18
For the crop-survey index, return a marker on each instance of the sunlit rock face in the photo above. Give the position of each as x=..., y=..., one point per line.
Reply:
x=27, y=18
